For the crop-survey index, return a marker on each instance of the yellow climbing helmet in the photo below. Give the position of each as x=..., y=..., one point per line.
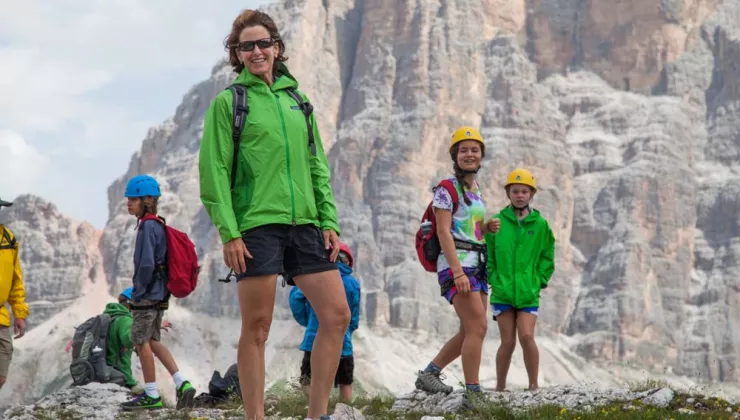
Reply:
x=521, y=176
x=467, y=133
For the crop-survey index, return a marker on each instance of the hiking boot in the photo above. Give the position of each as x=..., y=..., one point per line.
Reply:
x=185, y=395
x=432, y=382
x=142, y=402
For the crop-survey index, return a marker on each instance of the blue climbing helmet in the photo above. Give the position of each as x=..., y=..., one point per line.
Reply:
x=142, y=186
x=127, y=293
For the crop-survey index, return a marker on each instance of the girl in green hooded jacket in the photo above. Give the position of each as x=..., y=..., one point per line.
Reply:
x=520, y=264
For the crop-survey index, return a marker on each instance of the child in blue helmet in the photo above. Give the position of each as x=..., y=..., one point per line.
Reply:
x=149, y=297
x=305, y=315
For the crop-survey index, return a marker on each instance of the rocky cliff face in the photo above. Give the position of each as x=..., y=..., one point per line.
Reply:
x=627, y=111
x=58, y=255
x=627, y=42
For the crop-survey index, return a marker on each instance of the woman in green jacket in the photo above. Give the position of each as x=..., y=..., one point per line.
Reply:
x=520, y=264
x=280, y=216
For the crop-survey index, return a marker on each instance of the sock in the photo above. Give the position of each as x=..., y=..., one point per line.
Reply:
x=432, y=368
x=473, y=387
x=178, y=379
x=151, y=390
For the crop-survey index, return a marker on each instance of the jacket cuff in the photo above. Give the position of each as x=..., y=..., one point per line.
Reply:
x=331, y=225
x=227, y=237
x=20, y=311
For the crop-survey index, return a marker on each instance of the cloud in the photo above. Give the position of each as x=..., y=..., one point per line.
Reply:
x=82, y=81
x=22, y=166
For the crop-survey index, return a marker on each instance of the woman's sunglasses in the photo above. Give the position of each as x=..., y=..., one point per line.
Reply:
x=249, y=45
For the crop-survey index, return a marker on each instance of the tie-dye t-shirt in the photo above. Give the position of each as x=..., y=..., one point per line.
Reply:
x=466, y=223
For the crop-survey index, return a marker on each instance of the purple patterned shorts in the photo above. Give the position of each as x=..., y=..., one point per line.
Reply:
x=478, y=282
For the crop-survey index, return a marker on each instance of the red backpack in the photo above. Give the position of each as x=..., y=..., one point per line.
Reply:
x=427, y=243
x=182, y=260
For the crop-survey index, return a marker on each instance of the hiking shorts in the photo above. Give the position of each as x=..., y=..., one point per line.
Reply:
x=6, y=351
x=478, y=282
x=345, y=371
x=499, y=308
x=285, y=249
x=146, y=322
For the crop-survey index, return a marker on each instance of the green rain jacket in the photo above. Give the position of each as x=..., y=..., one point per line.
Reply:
x=521, y=259
x=119, y=345
x=278, y=180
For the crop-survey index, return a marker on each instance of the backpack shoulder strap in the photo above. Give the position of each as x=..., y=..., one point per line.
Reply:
x=105, y=321
x=450, y=187
x=150, y=216
x=240, y=109
x=307, y=109
x=10, y=240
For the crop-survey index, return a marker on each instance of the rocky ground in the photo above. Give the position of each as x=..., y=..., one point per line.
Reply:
x=583, y=401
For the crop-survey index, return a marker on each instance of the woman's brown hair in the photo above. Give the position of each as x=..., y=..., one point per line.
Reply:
x=246, y=19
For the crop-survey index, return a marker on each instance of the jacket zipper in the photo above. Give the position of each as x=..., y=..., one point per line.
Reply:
x=287, y=157
x=516, y=251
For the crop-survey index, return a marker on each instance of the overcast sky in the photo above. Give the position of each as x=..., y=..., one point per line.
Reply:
x=81, y=81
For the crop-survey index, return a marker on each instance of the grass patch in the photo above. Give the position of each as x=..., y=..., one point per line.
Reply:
x=646, y=385
x=287, y=399
x=683, y=406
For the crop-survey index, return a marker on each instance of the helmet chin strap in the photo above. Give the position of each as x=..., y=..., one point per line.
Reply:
x=520, y=210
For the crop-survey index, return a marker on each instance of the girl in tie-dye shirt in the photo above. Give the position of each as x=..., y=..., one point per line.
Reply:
x=461, y=267
x=467, y=225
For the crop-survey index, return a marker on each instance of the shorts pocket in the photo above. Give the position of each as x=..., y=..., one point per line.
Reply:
x=321, y=250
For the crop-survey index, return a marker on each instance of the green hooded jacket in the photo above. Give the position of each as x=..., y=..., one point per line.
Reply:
x=278, y=180
x=521, y=259
x=119, y=345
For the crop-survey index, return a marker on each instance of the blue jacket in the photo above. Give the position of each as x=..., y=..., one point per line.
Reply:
x=305, y=315
x=149, y=256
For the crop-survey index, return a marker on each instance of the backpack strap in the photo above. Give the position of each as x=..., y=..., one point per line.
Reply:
x=452, y=190
x=150, y=216
x=307, y=109
x=105, y=320
x=10, y=241
x=240, y=109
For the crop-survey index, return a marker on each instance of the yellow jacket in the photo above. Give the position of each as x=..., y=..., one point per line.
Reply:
x=11, y=279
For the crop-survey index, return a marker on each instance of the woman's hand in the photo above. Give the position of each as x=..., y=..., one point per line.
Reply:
x=331, y=240
x=236, y=254
x=462, y=284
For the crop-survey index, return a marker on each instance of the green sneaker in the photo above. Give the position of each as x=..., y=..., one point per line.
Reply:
x=185, y=395
x=142, y=402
